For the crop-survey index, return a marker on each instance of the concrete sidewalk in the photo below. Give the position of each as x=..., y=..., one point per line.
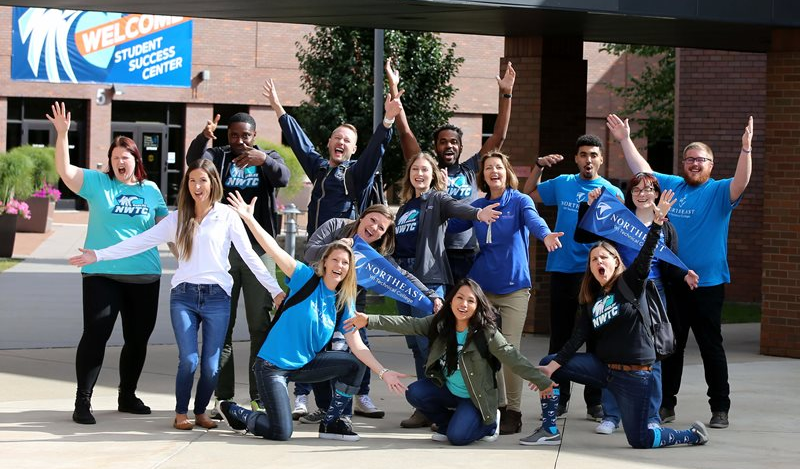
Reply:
x=40, y=313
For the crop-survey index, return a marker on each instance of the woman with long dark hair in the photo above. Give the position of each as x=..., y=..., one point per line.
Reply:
x=203, y=230
x=459, y=390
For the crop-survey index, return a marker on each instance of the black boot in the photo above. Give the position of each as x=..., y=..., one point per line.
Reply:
x=128, y=402
x=83, y=409
x=511, y=422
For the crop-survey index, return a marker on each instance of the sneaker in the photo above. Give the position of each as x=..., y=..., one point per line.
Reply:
x=719, y=419
x=653, y=425
x=700, y=430
x=256, y=405
x=313, y=417
x=496, y=434
x=231, y=413
x=595, y=413
x=215, y=414
x=562, y=411
x=363, y=406
x=440, y=437
x=541, y=437
x=417, y=420
x=606, y=427
x=300, y=406
x=667, y=415
x=338, y=430
x=131, y=404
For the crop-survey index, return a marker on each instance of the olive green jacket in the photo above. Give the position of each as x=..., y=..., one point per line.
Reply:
x=476, y=370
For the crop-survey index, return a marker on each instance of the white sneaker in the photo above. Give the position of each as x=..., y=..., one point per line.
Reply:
x=606, y=427
x=440, y=437
x=653, y=426
x=363, y=406
x=496, y=434
x=300, y=406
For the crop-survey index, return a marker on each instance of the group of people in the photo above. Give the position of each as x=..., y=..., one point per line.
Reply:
x=461, y=236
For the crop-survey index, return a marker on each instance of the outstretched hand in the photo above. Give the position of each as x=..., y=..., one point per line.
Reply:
x=488, y=214
x=86, y=257
x=393, y=76
x=621, y=130
x=271, y=93
x=393, y=106
x=543, y=393
x=358, y=321
x=506, y=84
x=61, y=117
x=548, y=161
x=552, y=242
x=392, y=380
x=211, y=126
x=660, y=211
x=243, y=209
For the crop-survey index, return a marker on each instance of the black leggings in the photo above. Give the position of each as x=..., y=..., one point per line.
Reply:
x=103, y=299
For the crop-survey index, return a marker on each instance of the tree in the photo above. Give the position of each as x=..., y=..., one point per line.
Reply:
x=652, y=94
x=337, y=76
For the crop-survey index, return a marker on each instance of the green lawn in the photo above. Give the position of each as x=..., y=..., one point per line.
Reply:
x=6, y=263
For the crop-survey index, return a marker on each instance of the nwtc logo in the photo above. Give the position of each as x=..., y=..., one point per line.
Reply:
x=603, y=211
x=130, y=205
x=458, y=187
x=408, y=221
x=580, y=197
x=360, y=259
x=241, y=178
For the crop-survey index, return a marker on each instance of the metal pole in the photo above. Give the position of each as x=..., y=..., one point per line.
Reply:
x=377, y=72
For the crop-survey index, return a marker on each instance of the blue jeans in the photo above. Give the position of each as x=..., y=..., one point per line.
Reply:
x=191, y=305
x=276, y=423
x=457, y=417
x=631, y=390
x=610, y=407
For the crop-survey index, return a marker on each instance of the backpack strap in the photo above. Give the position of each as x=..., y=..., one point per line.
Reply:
x=305, y=291
x=641, y=302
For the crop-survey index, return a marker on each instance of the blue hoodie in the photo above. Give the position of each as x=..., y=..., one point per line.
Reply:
x=502, y=266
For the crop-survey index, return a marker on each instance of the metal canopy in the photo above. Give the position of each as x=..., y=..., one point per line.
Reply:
x=743, y=25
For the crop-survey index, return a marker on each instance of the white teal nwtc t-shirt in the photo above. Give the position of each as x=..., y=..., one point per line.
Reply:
x=701, y=217
x=306, y=328
x=117, y=212
x=568, y=191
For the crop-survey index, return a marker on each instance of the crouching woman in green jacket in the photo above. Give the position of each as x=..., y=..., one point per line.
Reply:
x=459, y=390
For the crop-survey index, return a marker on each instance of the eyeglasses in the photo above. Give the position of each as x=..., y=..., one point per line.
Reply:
x=646, y=190
x=699, y=159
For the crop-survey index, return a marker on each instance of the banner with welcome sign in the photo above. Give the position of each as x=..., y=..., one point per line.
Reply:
x=72, y=46
x=611, y=219
x=379, y=275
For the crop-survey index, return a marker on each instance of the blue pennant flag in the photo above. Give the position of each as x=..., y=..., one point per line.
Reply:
x=611, y=219
x=379, y=275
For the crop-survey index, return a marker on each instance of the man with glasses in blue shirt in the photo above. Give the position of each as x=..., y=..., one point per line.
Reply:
x=701, y=217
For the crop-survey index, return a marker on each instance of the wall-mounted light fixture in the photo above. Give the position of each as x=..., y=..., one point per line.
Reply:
x=106, y=95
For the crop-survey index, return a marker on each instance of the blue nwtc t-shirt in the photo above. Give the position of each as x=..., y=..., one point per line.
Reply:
x=568, y=191
x=306, y=328
x=454, y=381
x=462, y=185
x=406, y=228
x=117, y=212
x=701, y=217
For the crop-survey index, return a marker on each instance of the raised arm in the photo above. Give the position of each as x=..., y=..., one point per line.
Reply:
x=282, y=259
x=533, y=181
x=163, y=232
x=506, y=85
x=200, y=143
x=271, y=93
x=408, y=141
x=69, y=173
x=242, y=244
x=391, y=378
x=744, y=168
x=621, y=130
x=362, y=170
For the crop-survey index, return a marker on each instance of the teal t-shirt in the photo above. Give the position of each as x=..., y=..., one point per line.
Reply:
x=454, y=380
x=304, y=329
x=117, y=212
x=568, y=191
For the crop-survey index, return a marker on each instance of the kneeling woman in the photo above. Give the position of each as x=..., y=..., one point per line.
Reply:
x=319, y=302
x=459, y=390
x=624, y=353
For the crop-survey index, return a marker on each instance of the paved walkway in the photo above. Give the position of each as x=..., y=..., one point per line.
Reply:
x=40, y=310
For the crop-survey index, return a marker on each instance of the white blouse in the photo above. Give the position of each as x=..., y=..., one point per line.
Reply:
x=208, y=263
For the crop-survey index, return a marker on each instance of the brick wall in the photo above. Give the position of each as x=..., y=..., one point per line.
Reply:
x=780, y=316
x=717, y=91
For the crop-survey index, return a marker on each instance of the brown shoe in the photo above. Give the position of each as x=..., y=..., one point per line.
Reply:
x=417, y=420
x=204, y=421
x=183, y=424
x=510, y=422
